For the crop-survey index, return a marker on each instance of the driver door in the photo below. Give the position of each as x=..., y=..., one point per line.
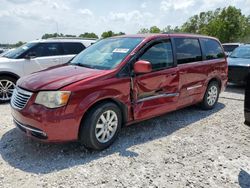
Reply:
x=157, y=92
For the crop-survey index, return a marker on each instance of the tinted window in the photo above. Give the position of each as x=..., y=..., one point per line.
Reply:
x=212, y=49
x=187, y=50
x=229, y=48
x=159, y=55
x=72, y=48
x=46, y=49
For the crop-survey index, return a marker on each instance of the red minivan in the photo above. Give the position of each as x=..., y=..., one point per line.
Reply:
x=116, y=82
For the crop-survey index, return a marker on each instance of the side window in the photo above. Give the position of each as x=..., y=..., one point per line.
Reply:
x=72, y=48
x=160, y=55
x=212, y=49
x=46, y=49
x=187, y=50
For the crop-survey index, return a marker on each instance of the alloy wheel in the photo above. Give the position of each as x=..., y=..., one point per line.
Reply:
x=212, y=95
x=6, y=89
x=106, y=126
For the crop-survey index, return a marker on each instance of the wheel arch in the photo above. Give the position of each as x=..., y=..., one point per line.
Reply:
x=215, y=79
x=123, y=108
x=9, y=74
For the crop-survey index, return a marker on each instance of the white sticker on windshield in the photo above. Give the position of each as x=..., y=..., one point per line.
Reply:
x=25, y=47
x=120, y=50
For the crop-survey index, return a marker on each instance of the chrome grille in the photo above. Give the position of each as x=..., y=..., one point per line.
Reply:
x=20, y=98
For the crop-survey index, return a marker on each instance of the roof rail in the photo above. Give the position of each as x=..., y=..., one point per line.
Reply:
x=58, y=38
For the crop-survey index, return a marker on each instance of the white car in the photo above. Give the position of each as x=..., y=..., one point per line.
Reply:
x=35, y=56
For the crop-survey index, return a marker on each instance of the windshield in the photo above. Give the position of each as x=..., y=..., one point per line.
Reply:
x=13, y=54
x=241, y=52
x=107, y=53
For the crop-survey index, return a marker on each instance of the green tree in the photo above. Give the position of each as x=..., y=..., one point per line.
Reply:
x=169, y=29
x=107, y=34
x=20, y=43
x=52, y=35
x=227, y=24
x=154, y=29
x=89, y=35
x=143, y=31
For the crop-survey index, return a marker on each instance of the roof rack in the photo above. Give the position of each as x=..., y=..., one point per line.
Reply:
x=58, y=38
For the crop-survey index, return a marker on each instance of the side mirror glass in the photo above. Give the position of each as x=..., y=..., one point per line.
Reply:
x=142, y=67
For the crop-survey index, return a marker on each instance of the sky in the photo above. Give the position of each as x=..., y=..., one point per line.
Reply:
x=25, y=20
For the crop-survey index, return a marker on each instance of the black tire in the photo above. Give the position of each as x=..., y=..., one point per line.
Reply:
x=206, y=104
x=88, y=134
x=3, y=82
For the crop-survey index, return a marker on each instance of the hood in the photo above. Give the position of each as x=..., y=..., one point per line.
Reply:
x=56, y=78
x=4, y=59
x=238, y=62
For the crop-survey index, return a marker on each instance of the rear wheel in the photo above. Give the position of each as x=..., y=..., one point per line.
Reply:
x=211, y=96
x=7, y=85
x=101, y=126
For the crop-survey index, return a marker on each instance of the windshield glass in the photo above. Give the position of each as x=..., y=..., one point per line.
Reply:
x=241, y=52
x=107, y=53
x=13, y=54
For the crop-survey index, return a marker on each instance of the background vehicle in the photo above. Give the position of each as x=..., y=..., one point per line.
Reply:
x=247, y=101
x=239, y=64
x=119, y=81
x=35, y=56
x=229, y=47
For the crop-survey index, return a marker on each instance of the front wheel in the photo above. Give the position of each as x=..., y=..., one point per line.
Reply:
x=211, y=96
x=101, y=126
x=7, y=85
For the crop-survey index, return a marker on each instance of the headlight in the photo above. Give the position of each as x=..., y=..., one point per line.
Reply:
x=52, y=99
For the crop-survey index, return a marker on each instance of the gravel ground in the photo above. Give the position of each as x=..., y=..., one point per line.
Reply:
x=186, y=148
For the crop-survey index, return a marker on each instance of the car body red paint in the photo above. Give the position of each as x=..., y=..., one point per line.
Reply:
x=91, y=86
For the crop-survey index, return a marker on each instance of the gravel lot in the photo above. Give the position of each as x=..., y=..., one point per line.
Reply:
x=186, y=148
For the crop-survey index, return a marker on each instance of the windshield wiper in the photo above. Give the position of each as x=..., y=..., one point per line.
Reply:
x=82, y=65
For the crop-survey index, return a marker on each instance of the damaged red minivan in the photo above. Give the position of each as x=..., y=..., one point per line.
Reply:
x=116, y=82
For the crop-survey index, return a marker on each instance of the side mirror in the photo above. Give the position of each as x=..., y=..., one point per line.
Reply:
x=30, y=55
x=142, y=67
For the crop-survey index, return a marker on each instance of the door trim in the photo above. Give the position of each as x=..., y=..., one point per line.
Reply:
x=194, y=87
x=158, y=96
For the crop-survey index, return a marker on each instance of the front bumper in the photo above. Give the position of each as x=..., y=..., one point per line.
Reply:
x=238, y=74
x=47, y=125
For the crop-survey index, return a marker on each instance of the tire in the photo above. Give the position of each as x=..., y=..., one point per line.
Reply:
x=102, y=136
x=211, y=96
x=7, y=85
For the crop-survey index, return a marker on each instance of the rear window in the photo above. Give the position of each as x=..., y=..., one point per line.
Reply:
x=72, y=48
x=188, y=50
x=212, y=49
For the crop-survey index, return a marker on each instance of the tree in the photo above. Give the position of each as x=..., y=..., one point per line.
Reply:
x=143, y=31
x=20, y=43
x=107, y=34
x=154, y=29
x=88, y=35
x=52, y=35
x=227, y=24
x=169, y=29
